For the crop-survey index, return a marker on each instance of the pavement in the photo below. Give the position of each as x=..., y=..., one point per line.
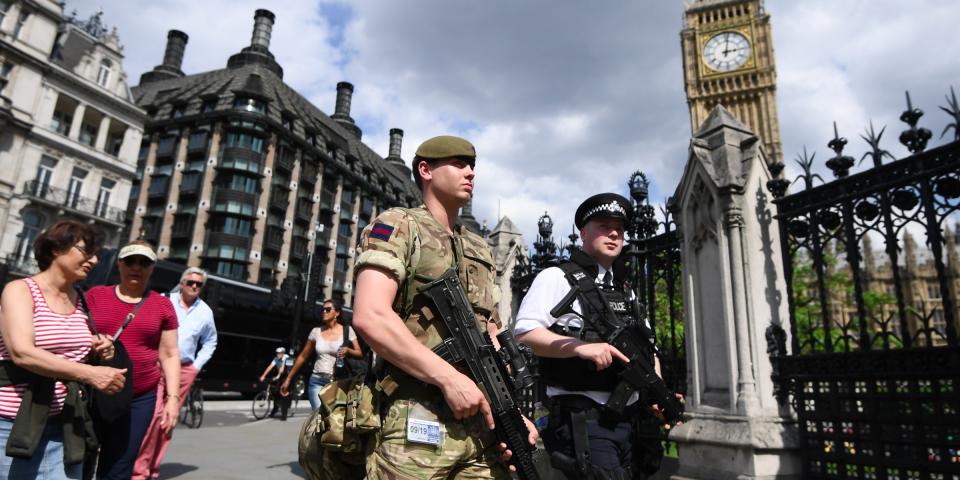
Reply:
x=231, y=444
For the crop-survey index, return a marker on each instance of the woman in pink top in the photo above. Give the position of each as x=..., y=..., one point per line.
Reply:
x=150, y=339
x=45, y=335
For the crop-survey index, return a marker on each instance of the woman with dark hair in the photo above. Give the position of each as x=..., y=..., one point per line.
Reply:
x=327, y=341
x=150, y=338
x=45, y=339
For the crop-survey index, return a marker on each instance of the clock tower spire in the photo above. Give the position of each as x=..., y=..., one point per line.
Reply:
x=728, y=60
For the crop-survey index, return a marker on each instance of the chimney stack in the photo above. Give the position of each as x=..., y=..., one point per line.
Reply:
x=172, y=59
x=176, y=45
x=396, y=140
x=344, y=98
x=341, y=111
x=258, y=53
x=262, y=28
x=393, y=156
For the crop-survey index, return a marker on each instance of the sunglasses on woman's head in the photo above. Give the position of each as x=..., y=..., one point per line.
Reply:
x=193, y=283
x=137, y=260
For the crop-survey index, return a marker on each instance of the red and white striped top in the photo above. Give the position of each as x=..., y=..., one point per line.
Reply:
x=66, y=336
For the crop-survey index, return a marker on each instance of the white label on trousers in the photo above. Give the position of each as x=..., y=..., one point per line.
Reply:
x=423, y=431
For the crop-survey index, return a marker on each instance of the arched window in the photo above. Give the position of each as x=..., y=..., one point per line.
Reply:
x=32, y=224
x=103, y=76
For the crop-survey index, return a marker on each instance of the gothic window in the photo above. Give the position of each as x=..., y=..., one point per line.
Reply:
x=32, y=223
x=933, y=290
x=4, y=6
x=75, y=186
x=103, y=76
x=103, y=197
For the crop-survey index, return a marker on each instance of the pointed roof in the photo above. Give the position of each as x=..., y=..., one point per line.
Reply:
x=719, y=118
x=505, y=225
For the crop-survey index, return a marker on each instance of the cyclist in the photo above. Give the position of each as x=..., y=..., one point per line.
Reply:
x=280, y=402
x=197, y=329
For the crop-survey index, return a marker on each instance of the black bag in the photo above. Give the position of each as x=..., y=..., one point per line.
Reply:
x=110, y=407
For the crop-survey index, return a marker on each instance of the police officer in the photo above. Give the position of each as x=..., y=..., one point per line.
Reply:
x=580, y=370
x=435, y=420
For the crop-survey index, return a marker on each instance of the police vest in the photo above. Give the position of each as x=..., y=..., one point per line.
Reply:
x=603, y=304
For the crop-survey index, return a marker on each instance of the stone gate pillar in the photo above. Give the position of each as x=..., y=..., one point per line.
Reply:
x=733, y=290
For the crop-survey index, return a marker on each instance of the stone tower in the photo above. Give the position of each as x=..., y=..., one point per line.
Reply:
x=728, y=60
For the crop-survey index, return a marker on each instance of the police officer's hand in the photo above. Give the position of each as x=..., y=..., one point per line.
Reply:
x=532, y=436
x=465, y=399
x=601, y=354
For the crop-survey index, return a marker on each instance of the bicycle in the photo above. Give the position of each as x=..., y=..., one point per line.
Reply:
x=191, y=413
x=263, y=401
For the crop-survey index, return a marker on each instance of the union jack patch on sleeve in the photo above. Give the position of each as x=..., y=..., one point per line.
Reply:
x=381, y=231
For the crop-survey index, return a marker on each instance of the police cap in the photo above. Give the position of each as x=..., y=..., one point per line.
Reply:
x=609, y=205
x=446, y=146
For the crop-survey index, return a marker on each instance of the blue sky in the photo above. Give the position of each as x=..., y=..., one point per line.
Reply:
x=563, y=100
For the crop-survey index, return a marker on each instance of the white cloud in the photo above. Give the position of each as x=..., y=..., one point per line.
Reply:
x=564, y=99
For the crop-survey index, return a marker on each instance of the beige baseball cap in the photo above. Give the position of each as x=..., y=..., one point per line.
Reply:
x=137, y=249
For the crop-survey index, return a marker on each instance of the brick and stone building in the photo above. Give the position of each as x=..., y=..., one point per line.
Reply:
x=241, y=175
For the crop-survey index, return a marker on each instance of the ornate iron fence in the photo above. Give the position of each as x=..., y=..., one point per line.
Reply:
x=874, y=364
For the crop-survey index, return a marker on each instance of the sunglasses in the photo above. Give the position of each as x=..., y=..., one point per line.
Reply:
x=327, y=309
x=137, y=260
x=193, y=283
x=86, y=253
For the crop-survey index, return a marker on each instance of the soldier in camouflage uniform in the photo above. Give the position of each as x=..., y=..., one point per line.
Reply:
x=436, y=422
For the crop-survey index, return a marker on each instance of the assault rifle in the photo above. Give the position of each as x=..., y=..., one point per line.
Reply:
x=487, y=366
x=637, y=376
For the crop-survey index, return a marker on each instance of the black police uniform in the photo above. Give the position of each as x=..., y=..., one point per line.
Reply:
x=585, y=439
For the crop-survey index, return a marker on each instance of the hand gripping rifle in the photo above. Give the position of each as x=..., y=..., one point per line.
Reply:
x=637, y=376
x=487, y=366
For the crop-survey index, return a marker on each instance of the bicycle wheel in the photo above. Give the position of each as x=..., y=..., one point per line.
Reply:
x=195, y=407
x=261, y=405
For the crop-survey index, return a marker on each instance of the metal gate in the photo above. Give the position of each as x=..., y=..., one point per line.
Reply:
x=871, y=261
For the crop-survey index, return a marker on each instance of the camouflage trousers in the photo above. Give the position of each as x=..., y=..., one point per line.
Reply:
x=467, y=451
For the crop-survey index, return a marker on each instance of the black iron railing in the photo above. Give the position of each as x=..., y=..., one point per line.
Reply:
x=874, y=353
x=72, y=201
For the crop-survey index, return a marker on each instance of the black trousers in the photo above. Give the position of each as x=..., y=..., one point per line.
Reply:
x=610, y=439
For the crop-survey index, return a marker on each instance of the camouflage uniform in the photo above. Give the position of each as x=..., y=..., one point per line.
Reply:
x=416, y=249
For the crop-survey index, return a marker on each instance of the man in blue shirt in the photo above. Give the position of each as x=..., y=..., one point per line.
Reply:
x=197, y=337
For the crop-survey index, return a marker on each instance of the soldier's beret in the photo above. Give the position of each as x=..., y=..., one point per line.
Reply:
x=608, y=205
x=446, y=146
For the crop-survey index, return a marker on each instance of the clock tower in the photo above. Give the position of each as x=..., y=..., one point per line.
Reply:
x=728, y=60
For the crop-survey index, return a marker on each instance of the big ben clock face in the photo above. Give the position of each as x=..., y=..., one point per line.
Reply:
x=726, y=51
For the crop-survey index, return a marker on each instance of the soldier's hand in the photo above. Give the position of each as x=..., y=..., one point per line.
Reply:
x=601, y=354
x=532, y=436
x=465, y=399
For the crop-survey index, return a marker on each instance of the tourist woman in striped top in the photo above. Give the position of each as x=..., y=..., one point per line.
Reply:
x=44, y=335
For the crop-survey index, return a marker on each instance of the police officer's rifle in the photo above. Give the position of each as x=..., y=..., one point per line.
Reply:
x=637, y=376
x=498, y=373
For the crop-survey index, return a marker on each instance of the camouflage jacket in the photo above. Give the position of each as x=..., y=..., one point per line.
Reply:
x=416, y=249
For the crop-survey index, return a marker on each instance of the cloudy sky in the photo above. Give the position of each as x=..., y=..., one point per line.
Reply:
x=563, y=98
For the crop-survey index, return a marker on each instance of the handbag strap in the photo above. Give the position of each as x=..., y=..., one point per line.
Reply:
x=82, y=301
x=93, y=326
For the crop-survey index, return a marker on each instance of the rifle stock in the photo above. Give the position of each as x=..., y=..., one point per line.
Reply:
x=488, y=367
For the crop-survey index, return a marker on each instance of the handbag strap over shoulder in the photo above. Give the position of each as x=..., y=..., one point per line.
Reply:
x=83, y=304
